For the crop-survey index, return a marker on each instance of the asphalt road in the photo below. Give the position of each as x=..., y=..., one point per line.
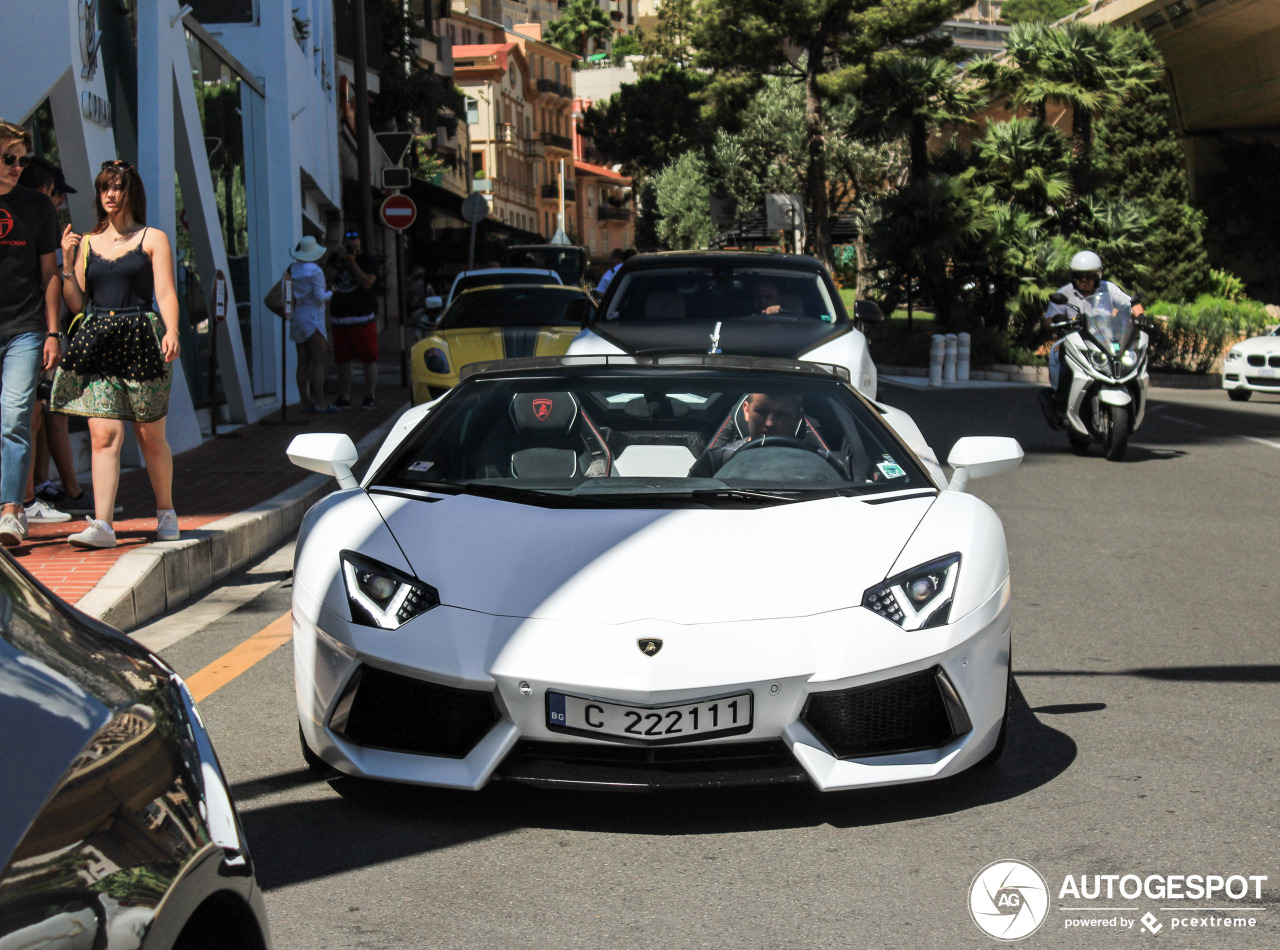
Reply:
x=1144, y=740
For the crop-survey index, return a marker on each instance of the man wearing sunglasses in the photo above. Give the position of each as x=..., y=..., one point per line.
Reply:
x=29, y=338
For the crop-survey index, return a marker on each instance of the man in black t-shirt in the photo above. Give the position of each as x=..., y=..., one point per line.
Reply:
x=29, y=338
x=353, y=313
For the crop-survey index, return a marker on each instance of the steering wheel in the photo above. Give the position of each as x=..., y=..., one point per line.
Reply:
x=792, y=442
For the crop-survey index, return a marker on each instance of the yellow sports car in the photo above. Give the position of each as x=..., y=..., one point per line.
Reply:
x=496, y=323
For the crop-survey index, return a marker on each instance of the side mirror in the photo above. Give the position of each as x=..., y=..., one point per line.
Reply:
x=1135, y=300
x=1058, y=298
x=979, y=456
x=867, y=311
x=435, y=303
x=329, y=453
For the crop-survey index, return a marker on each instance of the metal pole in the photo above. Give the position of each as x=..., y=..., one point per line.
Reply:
x=403, y=297
x=560, y=216
x=213, y=376
x=471, y=258
x=363, y=173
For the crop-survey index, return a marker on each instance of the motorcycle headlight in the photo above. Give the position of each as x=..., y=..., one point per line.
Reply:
x=1234, y=355
x=436, y=361
x=381, y=596
x=1129, y=360
x=919, y=598
x=1099, y=358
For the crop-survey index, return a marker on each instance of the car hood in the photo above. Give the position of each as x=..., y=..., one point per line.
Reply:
x=615, y=566
x=756, y=336
x=1259, y=344
x=472, y=344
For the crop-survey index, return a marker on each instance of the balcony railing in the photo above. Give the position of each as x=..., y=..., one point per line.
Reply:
x=605, y=213
x=557, y=141
x=533, y=148
x=553, y=192
x=558, y=88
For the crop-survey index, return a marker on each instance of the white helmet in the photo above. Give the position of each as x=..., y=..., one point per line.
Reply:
x=1087, y=262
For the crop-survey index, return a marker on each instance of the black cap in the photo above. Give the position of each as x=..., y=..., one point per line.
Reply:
x=60, y=183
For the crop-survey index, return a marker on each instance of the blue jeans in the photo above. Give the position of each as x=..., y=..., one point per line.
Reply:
x=21, y=359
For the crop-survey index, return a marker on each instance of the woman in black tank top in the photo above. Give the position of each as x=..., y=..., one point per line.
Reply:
x=119, y=364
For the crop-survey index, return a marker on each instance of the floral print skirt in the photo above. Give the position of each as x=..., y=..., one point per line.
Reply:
x=115, y=369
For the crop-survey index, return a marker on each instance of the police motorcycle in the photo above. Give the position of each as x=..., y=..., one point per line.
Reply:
x=1105, y=347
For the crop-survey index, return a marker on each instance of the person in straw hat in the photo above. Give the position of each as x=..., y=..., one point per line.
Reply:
x=306, y=327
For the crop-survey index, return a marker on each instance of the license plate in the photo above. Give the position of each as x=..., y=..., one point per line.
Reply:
x=1266, y=371
x=649, y=725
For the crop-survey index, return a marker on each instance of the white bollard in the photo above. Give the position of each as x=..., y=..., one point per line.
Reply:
x=949, y=360
x=936, y=350
x=962, y=358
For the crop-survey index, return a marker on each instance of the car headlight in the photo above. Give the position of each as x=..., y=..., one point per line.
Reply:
x=1234, y=355
x=918, y=598
x=436, y=361
x=381, y=596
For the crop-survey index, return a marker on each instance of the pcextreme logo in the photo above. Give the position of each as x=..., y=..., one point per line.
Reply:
x=1008, y=900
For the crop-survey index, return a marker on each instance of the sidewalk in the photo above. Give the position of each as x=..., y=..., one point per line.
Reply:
x=236, y=495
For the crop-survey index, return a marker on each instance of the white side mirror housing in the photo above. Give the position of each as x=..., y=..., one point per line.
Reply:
x=434, y=303
x=977, y=456
x=329, y=453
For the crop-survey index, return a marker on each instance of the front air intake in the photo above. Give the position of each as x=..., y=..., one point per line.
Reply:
x=905, y=714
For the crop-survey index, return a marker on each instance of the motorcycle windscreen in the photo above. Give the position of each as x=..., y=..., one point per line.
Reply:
x=1111, y=321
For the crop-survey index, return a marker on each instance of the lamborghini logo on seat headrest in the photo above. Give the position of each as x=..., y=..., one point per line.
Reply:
x=649, y=647
x=542, y=408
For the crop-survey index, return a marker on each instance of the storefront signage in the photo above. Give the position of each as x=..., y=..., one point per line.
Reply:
x=96, y=109
x=90, y=38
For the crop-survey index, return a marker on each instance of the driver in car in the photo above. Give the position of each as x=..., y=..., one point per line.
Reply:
x=766, y=297
x=766, y=415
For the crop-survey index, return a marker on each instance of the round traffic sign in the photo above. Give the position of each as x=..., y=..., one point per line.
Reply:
x=474, y=208
x=399, y=212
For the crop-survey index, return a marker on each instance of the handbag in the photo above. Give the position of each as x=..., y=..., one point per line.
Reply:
x=274, y=300
x=80, y=319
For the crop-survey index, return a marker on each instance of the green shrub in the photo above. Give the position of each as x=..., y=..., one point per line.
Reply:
x=1192, y=337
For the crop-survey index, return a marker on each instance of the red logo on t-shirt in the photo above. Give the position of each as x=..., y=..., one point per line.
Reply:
x=6, y=223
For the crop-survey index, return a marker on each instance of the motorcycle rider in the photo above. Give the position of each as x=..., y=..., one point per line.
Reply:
x=1086, y=280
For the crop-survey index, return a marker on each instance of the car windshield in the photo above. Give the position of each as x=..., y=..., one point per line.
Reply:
x=513, y=306
x=662, y=437
x=721, y=292
x=494, y=277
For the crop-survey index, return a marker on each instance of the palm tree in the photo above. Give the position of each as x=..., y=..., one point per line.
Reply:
x=1087, y=67
x=582, y=22
x=910, y=97
x=1026, y=162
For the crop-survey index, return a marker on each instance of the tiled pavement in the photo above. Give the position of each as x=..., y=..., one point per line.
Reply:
x=225, y=475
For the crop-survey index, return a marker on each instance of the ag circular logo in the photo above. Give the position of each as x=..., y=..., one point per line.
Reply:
x=1008, y=900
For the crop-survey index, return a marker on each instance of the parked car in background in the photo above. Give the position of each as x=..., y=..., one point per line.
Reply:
x=493, y=323
x=569, y=261
x=488, y=277
x=578, y=572
x=1253, y=365
x=741, y=302
x=117, y=828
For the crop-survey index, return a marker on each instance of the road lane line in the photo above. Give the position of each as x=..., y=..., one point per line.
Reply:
x=230, y=665
x=1250, y=438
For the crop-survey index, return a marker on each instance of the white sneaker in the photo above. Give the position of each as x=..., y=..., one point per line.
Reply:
x=13, y=529
x=41, y=512
x=99, y=534
x=167, y=525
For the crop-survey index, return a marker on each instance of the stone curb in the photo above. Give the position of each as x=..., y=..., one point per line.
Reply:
x=157, y=577
x=1040, y=374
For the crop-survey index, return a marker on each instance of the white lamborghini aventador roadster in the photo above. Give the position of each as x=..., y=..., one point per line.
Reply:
x=652, y=572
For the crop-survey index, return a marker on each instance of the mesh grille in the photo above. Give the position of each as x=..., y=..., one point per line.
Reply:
x=897, y=715
x=1272, y=381
x=394, y=712
x=1257, y=359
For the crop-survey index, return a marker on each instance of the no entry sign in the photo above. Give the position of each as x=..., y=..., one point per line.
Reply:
x=399, y=212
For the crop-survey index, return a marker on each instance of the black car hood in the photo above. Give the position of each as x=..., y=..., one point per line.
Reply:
x=46, y=719
x=751, y=336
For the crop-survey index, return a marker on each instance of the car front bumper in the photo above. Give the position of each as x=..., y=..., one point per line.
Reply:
x=501, y=669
